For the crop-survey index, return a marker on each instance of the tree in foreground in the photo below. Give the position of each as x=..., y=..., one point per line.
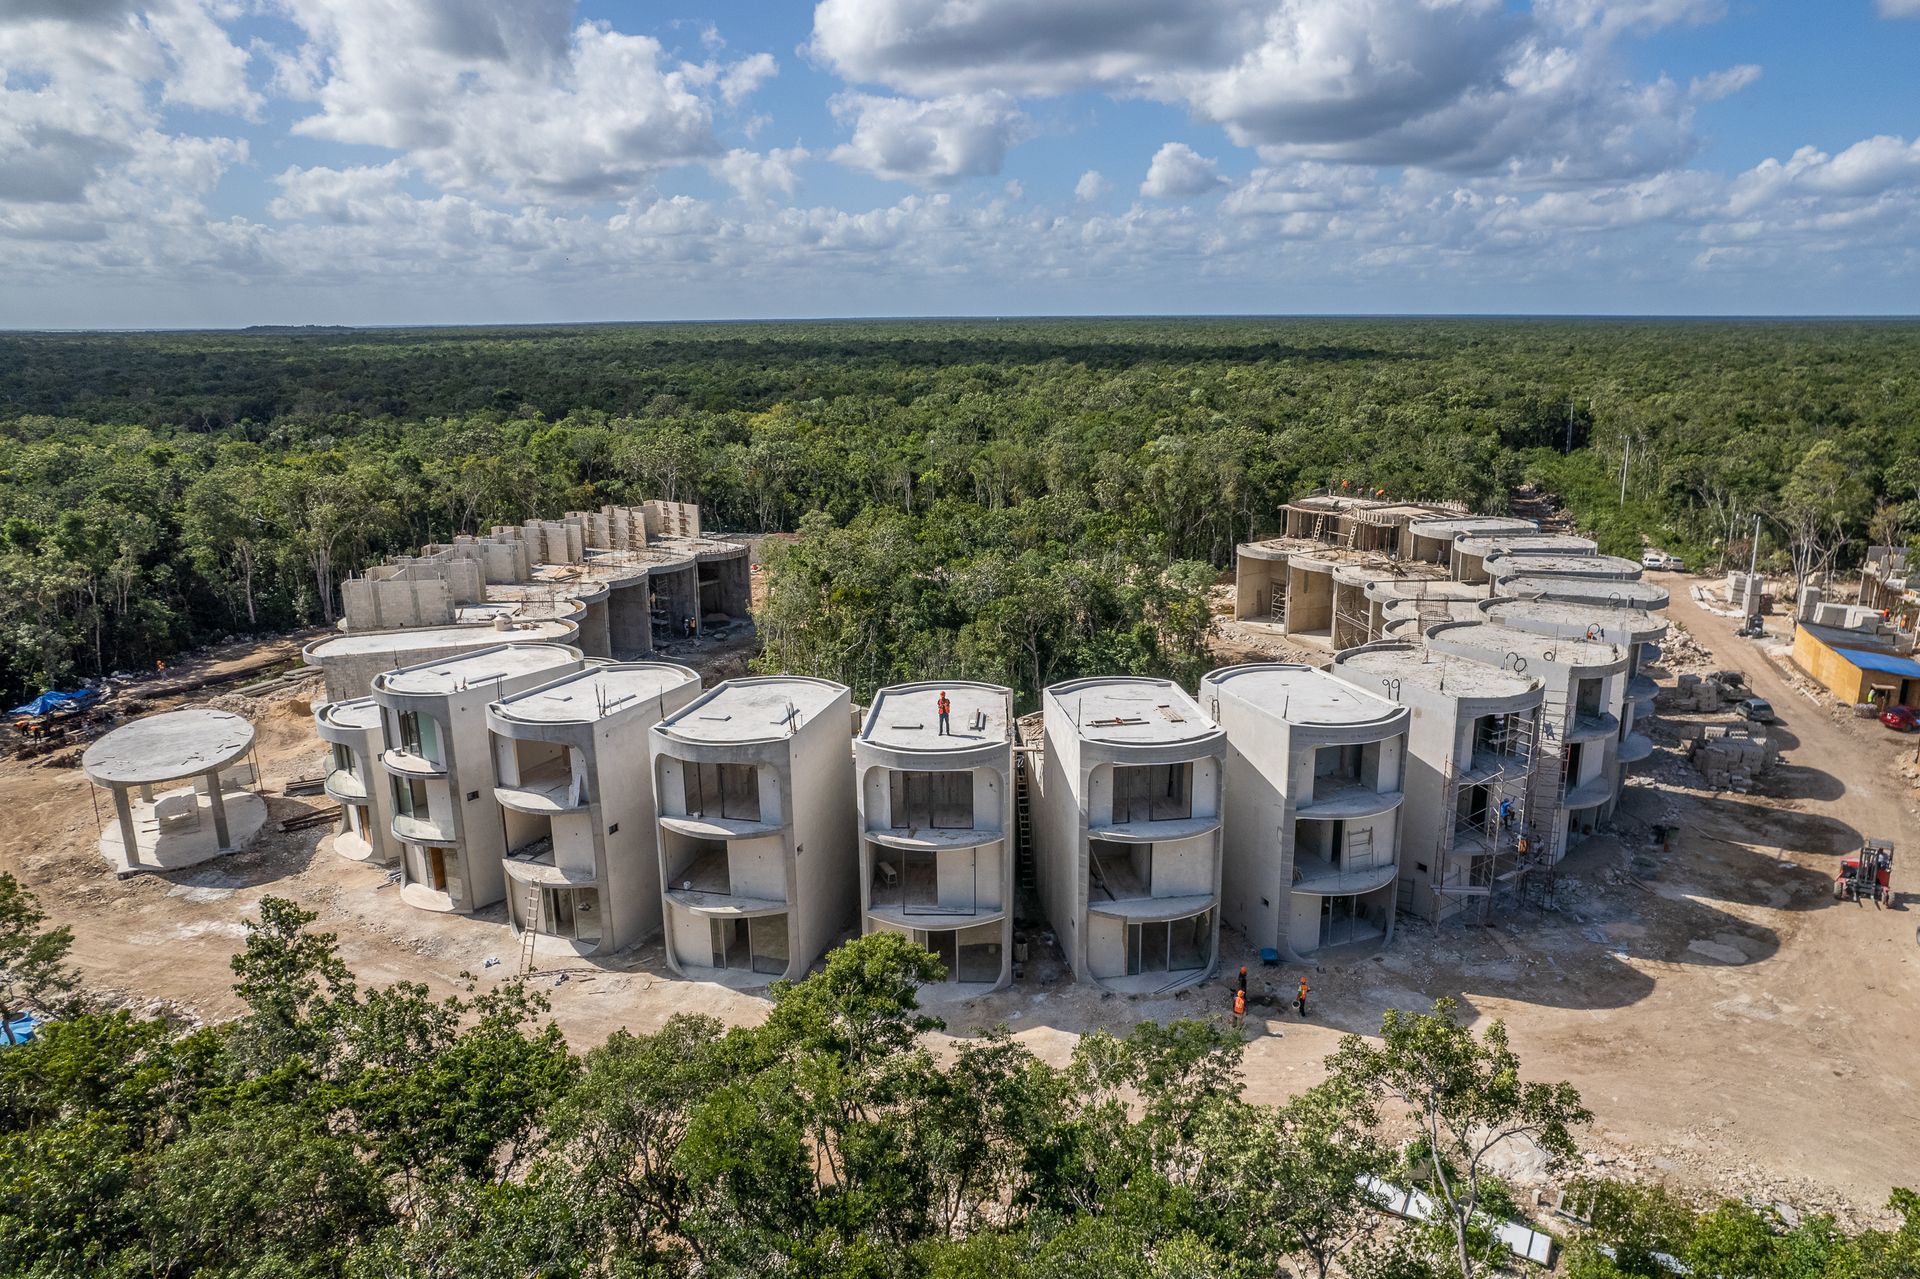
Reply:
x=1463, y=1094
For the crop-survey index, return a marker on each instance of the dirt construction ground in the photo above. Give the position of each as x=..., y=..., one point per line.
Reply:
x=1732, y=1027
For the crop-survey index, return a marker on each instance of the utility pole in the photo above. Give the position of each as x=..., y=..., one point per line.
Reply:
x=1753, y=559
x=1626, y=452
x=1569, y=448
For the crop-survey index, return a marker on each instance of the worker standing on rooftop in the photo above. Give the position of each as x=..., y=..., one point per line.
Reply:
x=946, y=709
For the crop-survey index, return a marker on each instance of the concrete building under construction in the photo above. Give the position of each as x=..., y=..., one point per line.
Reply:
x=1313, y=831
x=1468, y=776
x=583, y=866
x=936, y=825
x=1128, y=821
x=439, y=763
x=355, y=738
x=754, y=796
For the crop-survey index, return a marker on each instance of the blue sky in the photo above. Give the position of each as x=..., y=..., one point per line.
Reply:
x=230, y=162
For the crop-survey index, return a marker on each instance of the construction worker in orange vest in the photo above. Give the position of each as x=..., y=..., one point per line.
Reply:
x=1300, y=1000
x=1239, y=1009
x=946, y=709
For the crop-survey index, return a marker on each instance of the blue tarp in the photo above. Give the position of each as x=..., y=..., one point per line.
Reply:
x=48, y=703
x=20, y=1029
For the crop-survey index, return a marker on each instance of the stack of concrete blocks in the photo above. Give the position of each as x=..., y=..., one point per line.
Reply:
x=1729, y=757
x=1692, y=693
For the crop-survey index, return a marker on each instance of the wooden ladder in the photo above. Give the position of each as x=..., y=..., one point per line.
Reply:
x=1023, y=816
x=529, y=930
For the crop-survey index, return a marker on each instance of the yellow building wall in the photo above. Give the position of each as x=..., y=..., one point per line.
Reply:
x=1828, y=668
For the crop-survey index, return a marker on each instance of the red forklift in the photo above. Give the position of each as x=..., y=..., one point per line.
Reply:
x=1867, y=875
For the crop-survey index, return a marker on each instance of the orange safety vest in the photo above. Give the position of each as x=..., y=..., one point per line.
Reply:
x=1303, y=988
x=1239, y=1003
x=945, y=706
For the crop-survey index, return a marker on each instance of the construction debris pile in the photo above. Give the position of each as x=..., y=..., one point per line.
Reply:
x=1703, y=694
x=1679, y=651
x=1730, y=756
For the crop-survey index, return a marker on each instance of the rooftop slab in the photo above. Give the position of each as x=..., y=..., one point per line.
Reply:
x=426, y=637
x=358, y=714
x=753, y=710
x=164, y=748
x=597, y=692
x=1448, y=673
x=1302, y=695
x=1132, y=710
x=1604, y=591
x=906, y=716
x=469, y=670
x=1502, y=566
x=1471, y=526
x=1616, y=625
x=1500, y=642
x=1527, y=544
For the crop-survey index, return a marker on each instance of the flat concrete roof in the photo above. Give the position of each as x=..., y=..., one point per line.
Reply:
x=1414, y=589
x=754, y=709
x=466, y=670
x=1563, y=566
x=907, y=716
x=1493, y=638
x=1447, y=673
x=1131, y=709
x=355, y=712
x=1598, y=589
x=598, y=692
x=1616, y=622
x=1528, y=544
x=1301, y=694
x=424, y=637
x=167, y=747
x=1471, y=525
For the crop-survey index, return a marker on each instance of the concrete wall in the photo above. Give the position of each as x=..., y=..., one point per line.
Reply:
x=629, y=618
x=371, y=604
x=826, y=860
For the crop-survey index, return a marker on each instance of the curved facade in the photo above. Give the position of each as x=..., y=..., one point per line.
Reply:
x=936, y=825
x=1313, y=806
x=582, y=865
x=754, y=796
x=352, y=731
x=1129, y=824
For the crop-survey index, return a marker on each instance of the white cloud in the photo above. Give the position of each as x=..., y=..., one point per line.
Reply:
x=1178, y=172
x=1899, y=8
x=1724, y=84
x=761, y=175
x=504, y=98
x=932, y=143
x=1091, y=187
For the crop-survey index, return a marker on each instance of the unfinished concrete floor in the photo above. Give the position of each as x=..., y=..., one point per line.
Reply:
x=1732, y=1028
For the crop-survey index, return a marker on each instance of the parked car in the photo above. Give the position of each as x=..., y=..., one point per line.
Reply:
x=1661, y=560
x=1901, y=719
x=1756, y=709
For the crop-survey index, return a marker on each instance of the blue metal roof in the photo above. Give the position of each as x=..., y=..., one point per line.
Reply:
x=1885, y=663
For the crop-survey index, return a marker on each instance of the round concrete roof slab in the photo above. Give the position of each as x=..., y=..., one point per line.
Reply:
x=167, y=747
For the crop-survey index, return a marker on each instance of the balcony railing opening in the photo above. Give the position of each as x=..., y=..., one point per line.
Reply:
x=1119, y=872
x=930, y=801
x=700, y=866
x=1152, y=793
x=419, y=734
x=572, y=913
x=410, y=799
x=728, y=791
x=1339, y=767
x=927, y=882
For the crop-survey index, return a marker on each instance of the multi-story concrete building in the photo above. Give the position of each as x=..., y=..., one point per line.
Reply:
x=1472, y=551
x=1432, y=540
x=583, y=865
x=1313, y=798
x=1506, y=565
x=355, y=740
x=439, y=766
x=1468, y=774
x=1599, y=592
x=350, y=663
x=936, y=825
x=1636, y=630
x=1128, y=829
x=1584, y=686
x=754, y=791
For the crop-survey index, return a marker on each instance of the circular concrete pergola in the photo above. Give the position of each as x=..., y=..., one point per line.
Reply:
x=183, y=825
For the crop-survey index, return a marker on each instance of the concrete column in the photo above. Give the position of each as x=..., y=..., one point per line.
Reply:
x=219, y=810
x=124, y=810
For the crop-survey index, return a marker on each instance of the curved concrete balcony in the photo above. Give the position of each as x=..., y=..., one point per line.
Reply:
x=925, y=838
x=933, y=917
x=543, y=791
x=354, y=848
x=1350, y=800
x=1155, y=832
x=1344, y=883
x=1641, y=690
x=423, y=830
x=717, y=827
x=1153, y=910
x=1587, y=727
x=724, y=905
x=1635, y=747
x=346, y=787
x=543, y=872
x=408, y=764
x=1591, y=793
x=1649, y=653
x=423, y=897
